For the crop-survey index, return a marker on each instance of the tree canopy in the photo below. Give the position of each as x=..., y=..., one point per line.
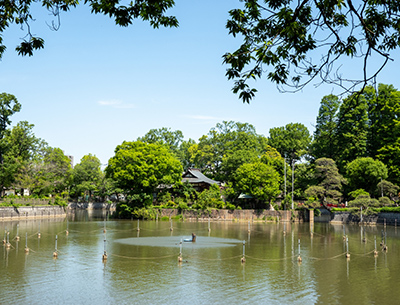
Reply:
x=291, y=141
x=291, y=43
x=138, y=167
x=87, y=175
x=366, y=173
x=281, y=39
x=123, y=13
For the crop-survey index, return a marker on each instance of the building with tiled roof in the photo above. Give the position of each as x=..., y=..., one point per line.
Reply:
x=198, y=180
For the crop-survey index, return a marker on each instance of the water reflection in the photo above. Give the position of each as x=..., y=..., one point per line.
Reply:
x=142, y=265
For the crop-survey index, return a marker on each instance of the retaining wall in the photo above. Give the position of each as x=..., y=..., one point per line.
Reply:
x=347, y=217
x=236, y=215
x=92, y=206
x=31, y=212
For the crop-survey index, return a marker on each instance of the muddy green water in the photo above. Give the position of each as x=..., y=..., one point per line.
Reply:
x=142, y=266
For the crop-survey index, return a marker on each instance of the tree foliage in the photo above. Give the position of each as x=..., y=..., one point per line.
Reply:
x=52, y=173
x=259, y=180
x=165, y=136
x=281, y=40
x=352, y=130
x=328, y=182
x=227, y=146
x=384, y=132
x=87, y=176
x=291, y=141
x=138, y=168
x=8, y=106
x=123, y=13
x=324, y=144
x=365, y=173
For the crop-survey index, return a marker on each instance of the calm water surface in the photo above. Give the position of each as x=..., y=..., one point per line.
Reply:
x=143, y=268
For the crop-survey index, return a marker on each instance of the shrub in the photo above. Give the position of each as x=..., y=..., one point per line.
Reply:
x=358, y=192
x=364, y=201
x=210, y=198
x=59, y=201
x=230, y=206
x=123, y=211
x=385, y=201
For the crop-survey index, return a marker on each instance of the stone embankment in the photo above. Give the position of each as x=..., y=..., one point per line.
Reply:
x=237, y=215
x=92, y=206
x=31, y=212
x=347, y=217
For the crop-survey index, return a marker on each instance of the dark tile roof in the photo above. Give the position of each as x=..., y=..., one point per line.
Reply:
x=194, y=175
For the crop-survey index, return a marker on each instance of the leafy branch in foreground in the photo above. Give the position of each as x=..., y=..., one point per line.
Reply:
x=282, y=39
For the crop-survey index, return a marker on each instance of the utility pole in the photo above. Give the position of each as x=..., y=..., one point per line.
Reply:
x=284, y=191
x=292, y=183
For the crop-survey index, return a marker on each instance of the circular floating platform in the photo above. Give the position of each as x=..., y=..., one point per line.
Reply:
x=173, y=241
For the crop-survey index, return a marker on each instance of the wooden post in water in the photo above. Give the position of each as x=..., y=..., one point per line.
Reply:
x=209, y=228
x=138, y=228
x=67, y=232
x=26, y=243
x=248, y=227
x=38, y=235
x=299, y=257
x=344, y=233
x=55, y=253
x=385, y=247
x=243, y=259
x=375, y=251
x=17, y=237
x=8, y=245
x=364, y=238
x=171, y=228
x=104, y=257
x=180, y=252
x=104, y=230
x=347, y=248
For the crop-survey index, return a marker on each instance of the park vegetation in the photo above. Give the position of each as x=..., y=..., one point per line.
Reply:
x=352, y=160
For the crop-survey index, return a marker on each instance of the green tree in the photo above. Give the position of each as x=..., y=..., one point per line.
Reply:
x=352, y=130
x=291, y=141
x=20, y=13
x=8, y=106
x=281, y=40
x=328, y=182
x=52, y=173
x=384, y=132
x=324, y=144
x=165, y=136
x=227, y=146
x=87, y=176
x=210, y=198
x=365, y=173
x=138, y=168
x=23, y=150
x=258, y=180
x=388, y=189
x=185, y=155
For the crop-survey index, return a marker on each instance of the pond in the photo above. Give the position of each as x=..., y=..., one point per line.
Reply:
x=142, y=265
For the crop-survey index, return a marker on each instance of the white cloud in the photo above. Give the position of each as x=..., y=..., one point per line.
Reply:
x=116, y=104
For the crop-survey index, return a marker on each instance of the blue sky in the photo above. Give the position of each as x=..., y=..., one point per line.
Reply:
x=96, y=84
